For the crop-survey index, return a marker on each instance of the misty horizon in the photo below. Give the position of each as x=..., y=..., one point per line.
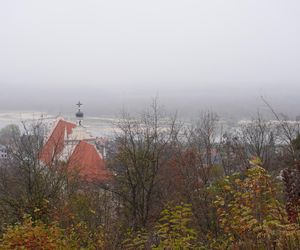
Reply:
x=193, y=55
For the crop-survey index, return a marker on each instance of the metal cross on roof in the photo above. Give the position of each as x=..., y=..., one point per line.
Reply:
x=79, y=104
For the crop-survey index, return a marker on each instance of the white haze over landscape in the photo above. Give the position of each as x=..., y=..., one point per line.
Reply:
x=193, y=54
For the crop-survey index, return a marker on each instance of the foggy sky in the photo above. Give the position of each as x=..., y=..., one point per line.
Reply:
x=193, y=54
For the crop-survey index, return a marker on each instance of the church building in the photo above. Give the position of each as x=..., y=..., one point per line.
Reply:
x=72, y=144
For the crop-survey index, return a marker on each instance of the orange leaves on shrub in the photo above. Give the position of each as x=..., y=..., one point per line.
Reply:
x=33, y=235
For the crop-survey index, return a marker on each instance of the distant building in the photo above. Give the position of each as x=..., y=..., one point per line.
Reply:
x=3, y=152
x=73, y=145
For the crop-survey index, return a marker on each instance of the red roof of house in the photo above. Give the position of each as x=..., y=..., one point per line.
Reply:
x=87, y=161
x=55, y=143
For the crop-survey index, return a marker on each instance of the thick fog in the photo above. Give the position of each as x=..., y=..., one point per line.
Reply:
x=193, y=54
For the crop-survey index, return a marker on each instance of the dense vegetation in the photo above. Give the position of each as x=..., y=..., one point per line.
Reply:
x=176, y=186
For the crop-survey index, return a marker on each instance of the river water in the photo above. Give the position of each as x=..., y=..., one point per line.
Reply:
x=98, y=126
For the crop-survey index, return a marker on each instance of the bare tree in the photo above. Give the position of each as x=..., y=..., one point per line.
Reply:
x=232, y=152
x=27, y=185
x=142, y=148
x=259, y=138
x=288, y=133
x=203, y=135
x=193, y=168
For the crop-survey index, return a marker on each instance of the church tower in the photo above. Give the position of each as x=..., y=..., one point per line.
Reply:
x=79, y=114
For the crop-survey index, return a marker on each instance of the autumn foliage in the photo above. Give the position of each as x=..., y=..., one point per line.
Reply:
x=35, y=235
x=175, y=188
x=249, y=212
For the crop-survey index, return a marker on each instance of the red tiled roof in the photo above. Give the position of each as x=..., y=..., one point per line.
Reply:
x=87, y=160
x=55, y=143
